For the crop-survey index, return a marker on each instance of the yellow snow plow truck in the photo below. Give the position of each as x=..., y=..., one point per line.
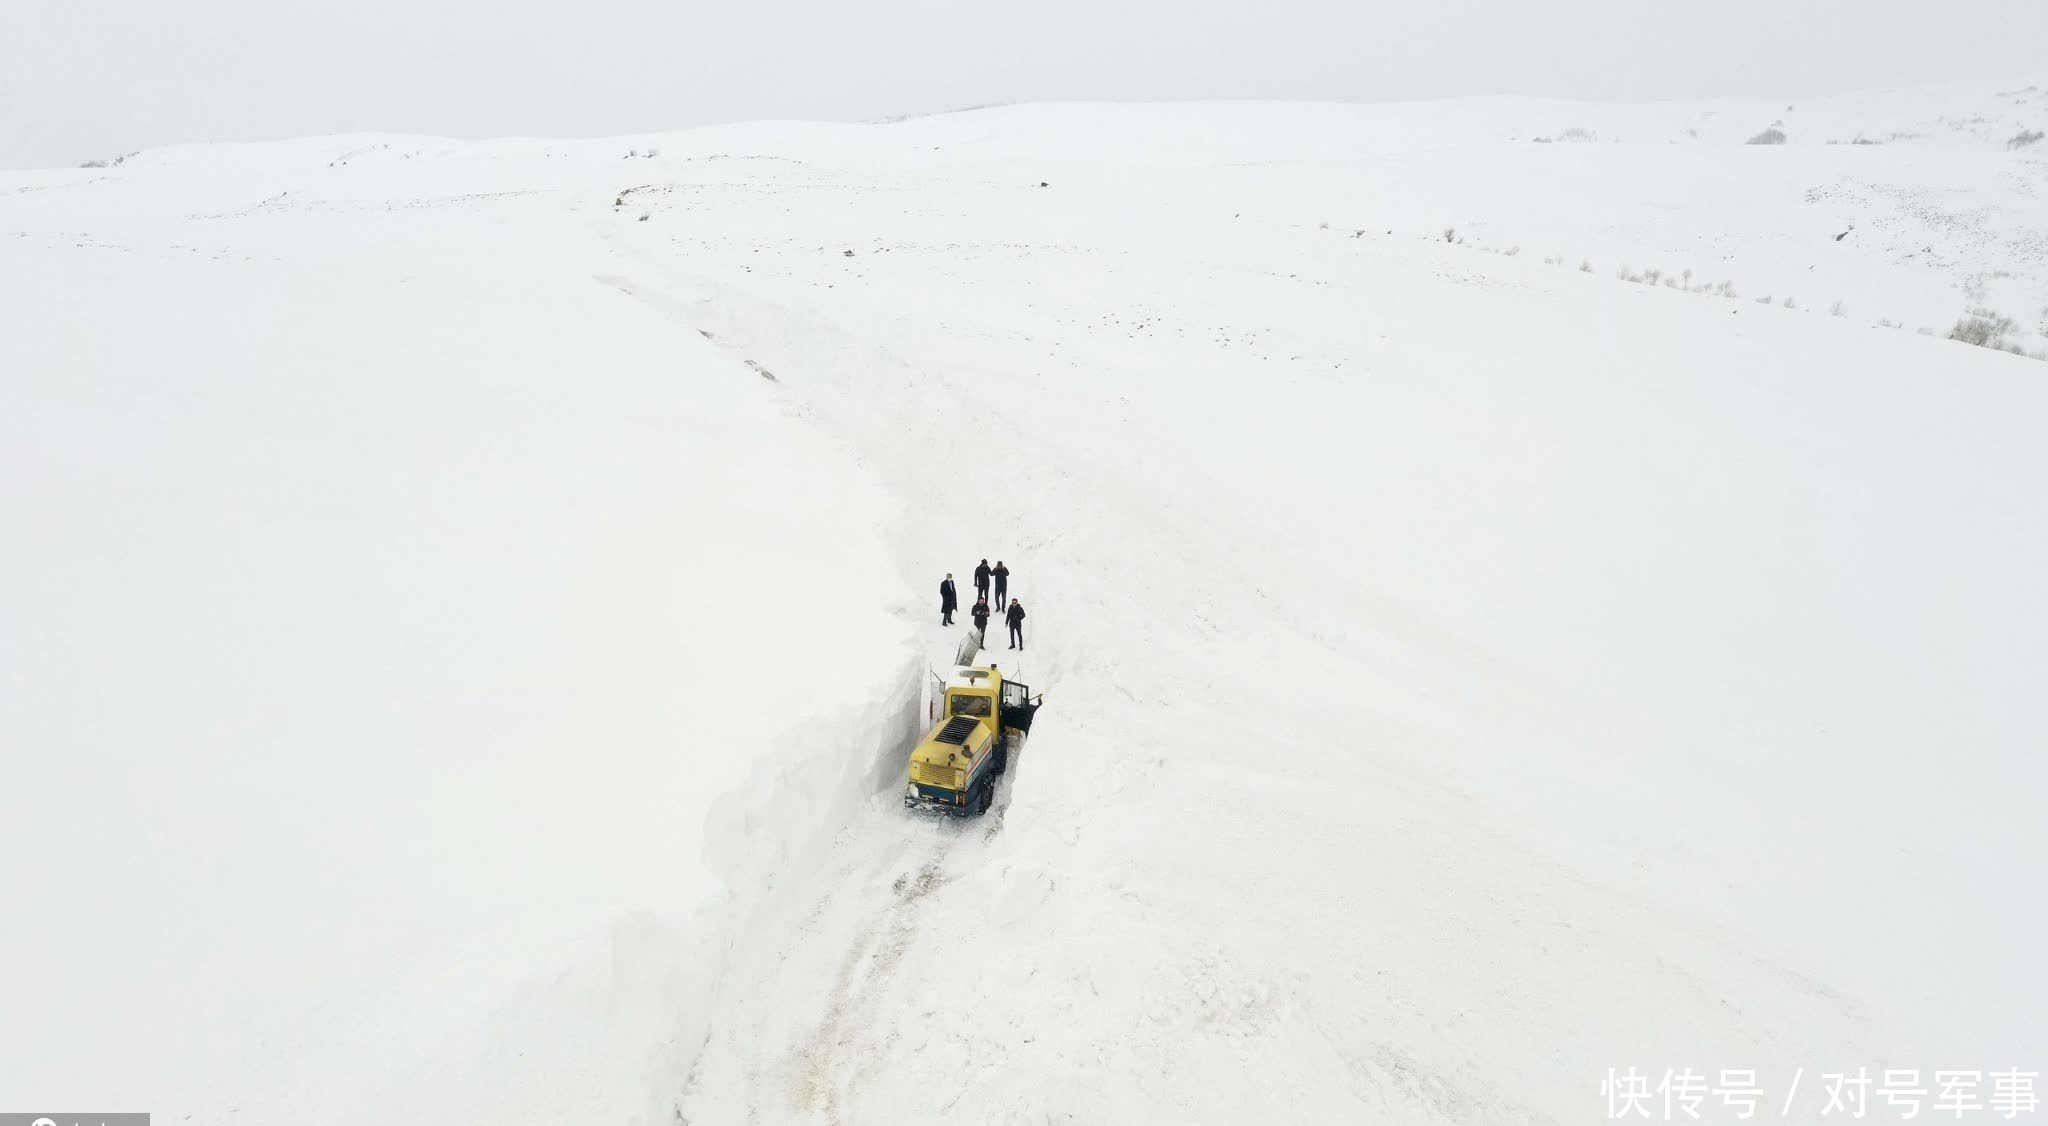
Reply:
x=954, y=767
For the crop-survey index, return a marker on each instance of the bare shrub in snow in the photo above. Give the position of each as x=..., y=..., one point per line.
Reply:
x=1576, y=135
x=1984, y=328
x=1652, y=277
x=1788, y=302
x=2024, y=138
x=1512, y=251
x=1724, y=289
x=1585, y=265
x=1764, y=300
x=1771, y=136
x=1837, y=309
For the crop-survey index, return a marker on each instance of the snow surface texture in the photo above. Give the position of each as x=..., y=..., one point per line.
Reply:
x=467, y=605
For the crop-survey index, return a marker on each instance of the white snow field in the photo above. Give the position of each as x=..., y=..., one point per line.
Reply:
x=465, y=606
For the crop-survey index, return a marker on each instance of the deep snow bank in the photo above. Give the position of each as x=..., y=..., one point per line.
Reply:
x=389, y=601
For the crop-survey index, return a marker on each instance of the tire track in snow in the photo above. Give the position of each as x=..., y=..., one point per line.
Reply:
x=870, y=966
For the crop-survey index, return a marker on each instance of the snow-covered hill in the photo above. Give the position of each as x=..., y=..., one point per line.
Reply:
x=468, y=603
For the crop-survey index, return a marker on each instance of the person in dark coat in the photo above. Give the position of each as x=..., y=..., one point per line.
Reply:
x=981, y=613
x=1016, y=619
x=949, y=600
x=981, y=579
x=1002, y=577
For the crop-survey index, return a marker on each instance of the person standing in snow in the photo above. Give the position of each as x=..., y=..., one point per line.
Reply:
x=980, y=613
x=949, y=601
x=1002, y=577
x=1016, y=620
x=981, y=579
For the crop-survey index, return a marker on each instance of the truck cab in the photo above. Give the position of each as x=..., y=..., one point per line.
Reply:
x=986, y=694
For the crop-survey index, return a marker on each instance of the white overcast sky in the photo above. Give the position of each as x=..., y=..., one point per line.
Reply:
x=92, y=78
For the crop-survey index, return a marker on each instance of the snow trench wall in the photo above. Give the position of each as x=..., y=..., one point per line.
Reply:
x=821, y=772
x=769, y=841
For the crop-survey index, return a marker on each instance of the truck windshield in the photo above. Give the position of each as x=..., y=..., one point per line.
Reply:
x=964, y=704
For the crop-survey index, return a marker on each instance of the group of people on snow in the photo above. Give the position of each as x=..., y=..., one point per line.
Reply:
x=984, y=575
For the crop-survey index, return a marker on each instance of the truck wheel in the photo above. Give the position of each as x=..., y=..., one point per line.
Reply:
x=1003, y=755
x=988, y=798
